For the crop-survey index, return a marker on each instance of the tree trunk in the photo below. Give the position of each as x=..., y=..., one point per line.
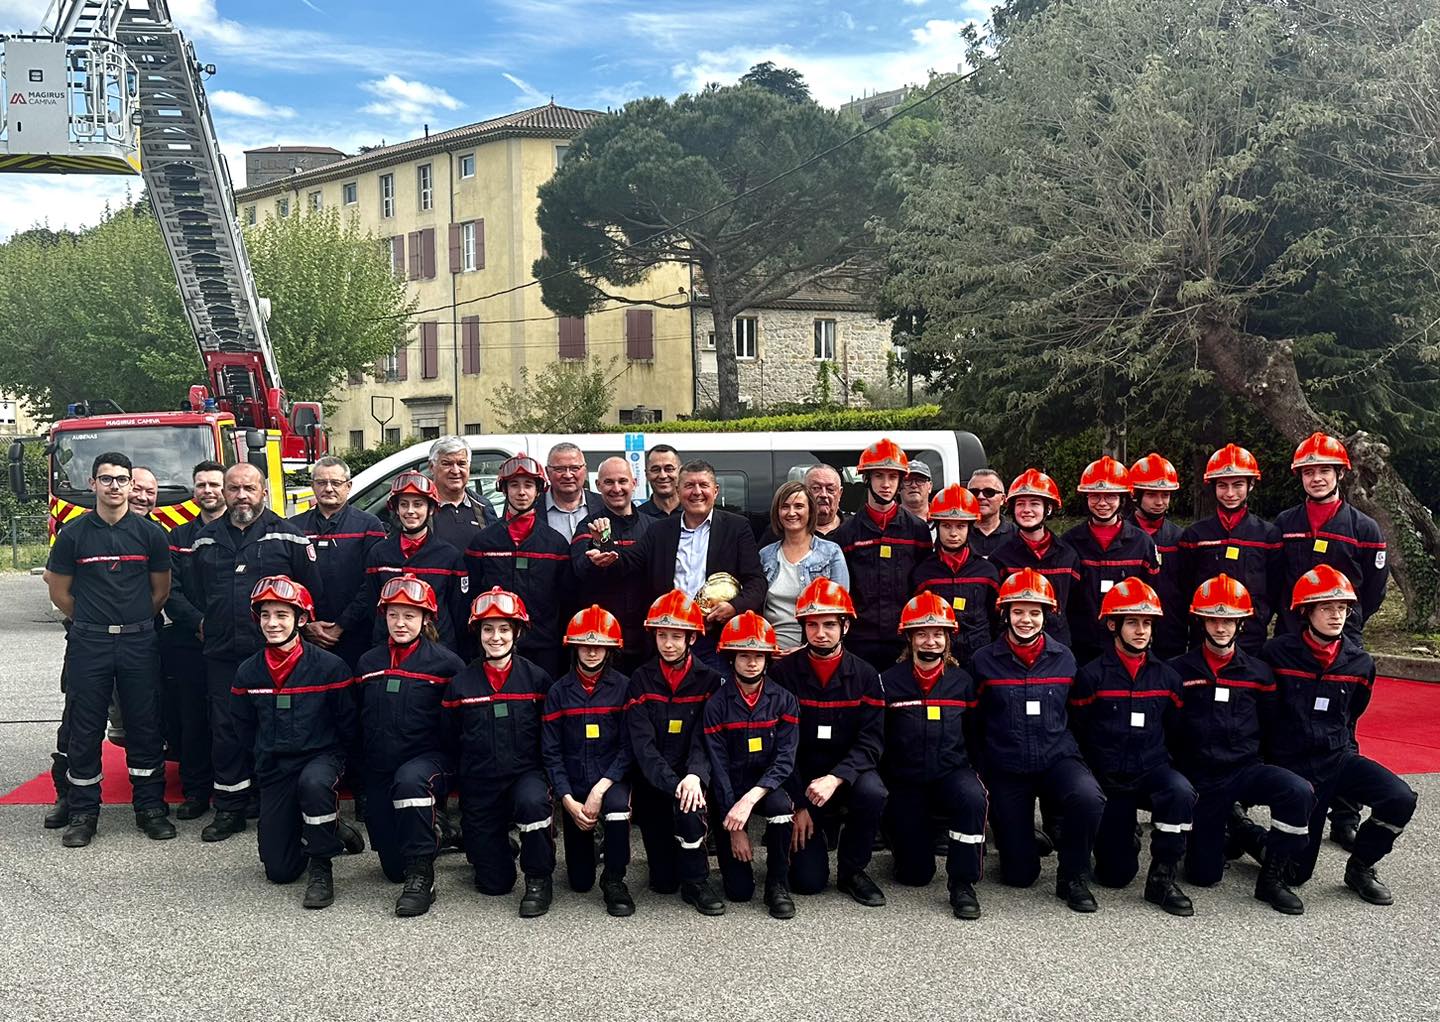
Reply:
x=727, y=373
x=1262, y=372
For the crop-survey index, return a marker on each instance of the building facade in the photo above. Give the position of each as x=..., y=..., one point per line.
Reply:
x=456, y=211
x=275, y=162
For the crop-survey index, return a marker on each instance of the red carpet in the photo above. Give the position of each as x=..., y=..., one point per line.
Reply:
x=1400, y=729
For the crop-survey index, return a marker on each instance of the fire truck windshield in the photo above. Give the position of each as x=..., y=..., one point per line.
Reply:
x=171, y=452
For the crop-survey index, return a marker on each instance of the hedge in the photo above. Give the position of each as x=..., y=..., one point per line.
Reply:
x=870, y=420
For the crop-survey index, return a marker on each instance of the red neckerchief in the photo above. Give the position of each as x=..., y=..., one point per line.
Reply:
x=1217, y=661
x=751, y=700
x=1324, y=652
x=520, y=526
x=1230, y=519
x=926, y=679
x=399, y=654
x=675, y=675
x=1039, y=547
x=1132, y=662
x=882, y=518
x=1104, y=534
x=498, y=676
x=281, y=664
x=825, y=667
x=954, y=561
x=408, y=546
x=1320, y=514
x=588, y=681
x=1027, y=655
x=1151, y=526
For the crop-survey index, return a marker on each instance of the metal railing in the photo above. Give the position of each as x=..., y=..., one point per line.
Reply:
x=29, y=537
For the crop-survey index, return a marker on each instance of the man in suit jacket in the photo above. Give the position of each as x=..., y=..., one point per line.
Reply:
x=682, y=551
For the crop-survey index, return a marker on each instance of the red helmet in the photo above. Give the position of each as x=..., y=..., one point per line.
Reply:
x=822, y=597
x=1027, y=586
x=1104, y=475
x=926, y=610
x=1322, y=584
x=1153, y=472
x=1131, y=596
x=594, y=626
x=1232, y=462
x=954, y=504
x=1320, y=449
x=1222, y=596
x=1034, y=483
x=413, y=484
x=676, y=610
x=498, y=604
x=521, y=466
x=282, y=589
x=748, y=633
x=883, y=454
x=408, y=591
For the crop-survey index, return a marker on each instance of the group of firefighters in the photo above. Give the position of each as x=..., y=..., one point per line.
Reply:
x=585, y=654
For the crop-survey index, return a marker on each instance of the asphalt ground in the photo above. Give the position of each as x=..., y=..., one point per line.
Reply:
x=130, y=929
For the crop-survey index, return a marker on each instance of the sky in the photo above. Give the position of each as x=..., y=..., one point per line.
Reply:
x=346, y=73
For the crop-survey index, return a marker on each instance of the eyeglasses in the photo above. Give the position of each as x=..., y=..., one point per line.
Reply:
x=330, y=484
x=986, y=492
x=565, y=470
x=113, y=482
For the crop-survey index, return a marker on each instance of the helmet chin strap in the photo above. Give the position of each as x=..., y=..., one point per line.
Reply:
x=1128, y=648
x=294, y=634
x=929, y=656
x=415, y=531
x=1325, y=499
x=1109, y=520
x=1016, y=637
x=882, y=501
x=689, y=644
x=1221, y=647
x=1321, y=635
x=1148, y=516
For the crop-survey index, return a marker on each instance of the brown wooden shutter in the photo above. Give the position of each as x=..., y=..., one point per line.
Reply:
x=429, y=350
x=479, y=244
x=414, y=255
x=455, y=254
x=640, y=334
x=397, y=254
x=470, y=344
x=427, y=253
x=572, y=337
x=402, y=362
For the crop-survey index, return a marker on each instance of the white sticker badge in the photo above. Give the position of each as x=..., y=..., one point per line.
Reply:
x=1032, y=707
x=1322, y=704
x=1222, y=695
x=1137, y=720
x=823, y=732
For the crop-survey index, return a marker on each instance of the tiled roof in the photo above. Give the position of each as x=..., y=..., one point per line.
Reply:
x=817, y=297
x=549, y=121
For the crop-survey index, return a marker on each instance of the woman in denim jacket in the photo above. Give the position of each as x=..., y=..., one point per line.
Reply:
x=798, y=558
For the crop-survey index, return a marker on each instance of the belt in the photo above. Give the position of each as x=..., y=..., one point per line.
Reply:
x=139, y=626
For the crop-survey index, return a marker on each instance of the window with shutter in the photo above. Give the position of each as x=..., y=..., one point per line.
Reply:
x=470, y=343
x=453, y=244
x=424, y=185
x=479, y=244
x=397, y=255
x=572, y=337
x=402, y=363
x=415, y=264
x=429, y=350
x=640, y=334
x=427, y=253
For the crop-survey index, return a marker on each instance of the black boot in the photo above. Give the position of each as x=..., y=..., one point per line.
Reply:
x=1076, y=894
x=419, y=891
x=778, y=900
x=350, y=837
x=963, y=901
x=320, y=891
x=536, y=900
x=59, y=814
x=1271, y=888
x=1360, y=878
x=703, y=896
x=192, y=809
x=1161, y=889
x=359, y=807
x=448, y=833
x=860, y=887
x=79, y=830
x=225, y=824
x=155, y=824
x=1243, y=836
x=1343, y=830
x=617, y=896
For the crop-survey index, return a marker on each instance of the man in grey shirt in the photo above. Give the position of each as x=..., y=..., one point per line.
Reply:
x=568, y=502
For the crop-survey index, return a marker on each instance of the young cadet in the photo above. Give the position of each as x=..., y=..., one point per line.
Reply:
x=750, y=734
x=842, y=732
x=1032, y=499
x=524, y=555
x=1108, y=548
x=662, y=719
x=587, y=756
x=1228, y=699
x=402, y=690
x=1121, y=706
x=1154, y=481
x=965, y=582
x=1027, y=750
x=882, y=543
x=925, y=765
x=415, y=550
x=1235, y=542
x=496, y=705
x=292, y=705
x=1324, y=680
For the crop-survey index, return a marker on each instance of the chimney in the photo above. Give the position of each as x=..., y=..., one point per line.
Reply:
x=427, y=131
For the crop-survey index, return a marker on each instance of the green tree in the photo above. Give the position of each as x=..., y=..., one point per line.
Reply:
x=563, y=397
x=640, y=187
x=785, y=82
x=1139, y=197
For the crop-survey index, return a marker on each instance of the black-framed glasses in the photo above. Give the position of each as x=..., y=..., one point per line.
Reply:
x=985, y=492
x=113, y=482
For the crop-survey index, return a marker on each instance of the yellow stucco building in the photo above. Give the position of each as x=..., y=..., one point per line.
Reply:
x=457, y=211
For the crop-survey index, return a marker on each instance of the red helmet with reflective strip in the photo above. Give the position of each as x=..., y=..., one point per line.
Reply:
x=954, y=504
x=413, y=484
x=1131, y=596
x=282, y=589
x=883, y=454
x=824, y=596
x=408, y=591
x=1027, y=586
x=1320, y=449
x=676, y=610
x=498, y=604
x=1321, y=584
x=1153, y=472
x=1104, y=475
x=926, y=610
x=1222, y=596
x=1232, y=462
x=521, y=466
x=748, y=633
x=594, y=626
x=1034, y=483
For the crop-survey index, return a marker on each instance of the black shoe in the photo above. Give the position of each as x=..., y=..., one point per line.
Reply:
x=779, y=902
x=964, y=903
x=320, y=891
x=224, y=824
x=155, y=823
x=448, y=834
x=1360, y=878
x=79, y=831
x=536, y=900
x=1161, y=889
x=1270, y=887
x=59, y=814
x=419, y=891
x=704, y=897
x=350, y=837
x=192, y=809
x=617, y=896
x=1343, y=831
x=1076, y=894
x=860, y=887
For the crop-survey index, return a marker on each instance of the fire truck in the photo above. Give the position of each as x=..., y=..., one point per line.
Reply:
x=112, y=87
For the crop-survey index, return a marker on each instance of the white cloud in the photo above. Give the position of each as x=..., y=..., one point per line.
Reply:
x=847, y=21
x=241, y=105
x=405, y=100
x=21, y=15
x=60, y=201
x=528, y=92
